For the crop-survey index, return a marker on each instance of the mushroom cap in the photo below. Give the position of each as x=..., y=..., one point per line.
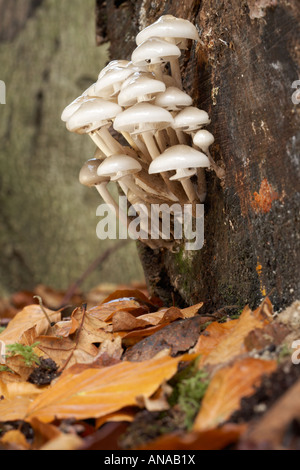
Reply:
x=112, y=64
x=143, y=117
x=167, y=26
x=154, y=51
x=118, y=166
x=179, y=157
x=72, y=108
x=139, y=86
x=92, y=115
x=173, y=99
x=111, y=82
x=203, y=139
x=191, y=119
x=88, y=174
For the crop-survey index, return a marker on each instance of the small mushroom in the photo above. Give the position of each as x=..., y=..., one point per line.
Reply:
x=138, y=88
x=174, y=100
x=203, y=140
x=121, y=168
x=191, y=119
x=175, y=30
x=185, y=160
x=144, y=119
x=110, y=83
x=154, y=53
x=93, y=118
x=88, y=177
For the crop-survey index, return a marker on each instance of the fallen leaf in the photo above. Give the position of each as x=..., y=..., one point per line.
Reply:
x=226, y=389
x=98, y=392
x=29, y=317
x=232, y=344
x=64, y=442
x=125, y=415
x=15, y=438
x=66, y=328
x=106, y=311
x=178, y=336
x=211, y=337
x=211, y=439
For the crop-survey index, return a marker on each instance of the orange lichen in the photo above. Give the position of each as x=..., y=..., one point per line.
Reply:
x=262, y=201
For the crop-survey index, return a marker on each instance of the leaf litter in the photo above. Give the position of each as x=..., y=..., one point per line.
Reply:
x=121, y=371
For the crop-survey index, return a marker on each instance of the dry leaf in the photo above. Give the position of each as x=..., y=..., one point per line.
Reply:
x=233, y=343
x=212, y=439
x=105, y=312
x=125, y=415
x=28, y=318
x=15, y=438
x=98, y=392
x=226, y=389
x=64, y=442
x=211, y=337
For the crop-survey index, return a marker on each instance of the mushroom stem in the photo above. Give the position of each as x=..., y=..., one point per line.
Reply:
x=151, y=144
x=110, y=141
x=172, y=136
x=189, y=190
x=160, y=141
x=175, y=72
x=157, y=70
x=100, y=144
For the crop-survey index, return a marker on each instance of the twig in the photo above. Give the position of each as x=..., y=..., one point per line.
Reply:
x=43, y=310
x=73, y=288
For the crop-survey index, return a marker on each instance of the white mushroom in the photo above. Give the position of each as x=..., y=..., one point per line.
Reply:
x=88, y=177
x=203, y=140
x=175, y=30
x=154, y=53
x=184, y=160
x=138, y=88
x=174, y=99
x=110, y=83
x=191, y=119
x=144, y=119
x=94, y=117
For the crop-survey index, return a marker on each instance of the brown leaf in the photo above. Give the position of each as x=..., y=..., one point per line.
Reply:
x=232, y=344
x=25, y=320
x=106, y=311
x=211, y=439
x=179, y=336
x=98, y=392
x=16, y=438
x=226, y=389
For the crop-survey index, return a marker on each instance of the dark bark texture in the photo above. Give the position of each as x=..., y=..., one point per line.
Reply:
x=242, y=75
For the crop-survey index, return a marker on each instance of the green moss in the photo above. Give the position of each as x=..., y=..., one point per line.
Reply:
x=27, y=352
x=190, y=386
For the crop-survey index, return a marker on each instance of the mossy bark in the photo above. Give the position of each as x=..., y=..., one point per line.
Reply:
x=242, y=75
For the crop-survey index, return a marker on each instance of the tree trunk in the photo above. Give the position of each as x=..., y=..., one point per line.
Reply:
x=47, y=218
x=242, y=75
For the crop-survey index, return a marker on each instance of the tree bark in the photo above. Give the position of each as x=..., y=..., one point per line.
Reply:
x=242, y=75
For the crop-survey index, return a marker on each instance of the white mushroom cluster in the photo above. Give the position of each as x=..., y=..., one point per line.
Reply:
x=149, y=136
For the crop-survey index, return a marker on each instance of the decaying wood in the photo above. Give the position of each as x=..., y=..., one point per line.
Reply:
x=242, y=75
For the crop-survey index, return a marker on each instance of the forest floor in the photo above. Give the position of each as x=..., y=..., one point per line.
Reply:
x=115, y=370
